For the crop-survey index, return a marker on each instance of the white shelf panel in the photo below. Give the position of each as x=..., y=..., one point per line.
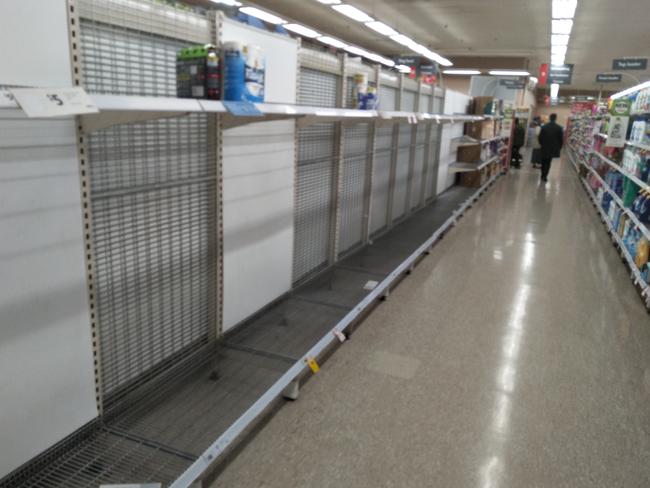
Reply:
x=460, y=167
x=638, y=145
x=123, y=109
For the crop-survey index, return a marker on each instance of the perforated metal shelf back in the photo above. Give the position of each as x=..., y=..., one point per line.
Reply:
x=315, y=172
x=153, y=197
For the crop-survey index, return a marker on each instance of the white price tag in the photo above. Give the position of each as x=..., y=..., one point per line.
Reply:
x=339, y=335
x=7, y=100
x=370, y=285
x=53, y=102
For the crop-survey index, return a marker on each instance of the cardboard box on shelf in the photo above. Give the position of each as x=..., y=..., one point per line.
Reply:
x=470, y=153
x=474, y=129
x=483, y=105
x=474, y=179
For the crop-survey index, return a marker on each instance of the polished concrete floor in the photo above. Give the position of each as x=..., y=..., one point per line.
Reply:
x=516, y=355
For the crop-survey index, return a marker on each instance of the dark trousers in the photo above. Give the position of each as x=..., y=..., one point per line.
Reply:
x=546, y=167
x=516, y=156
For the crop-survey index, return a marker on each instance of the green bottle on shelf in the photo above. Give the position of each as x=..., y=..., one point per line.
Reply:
x=630, y=192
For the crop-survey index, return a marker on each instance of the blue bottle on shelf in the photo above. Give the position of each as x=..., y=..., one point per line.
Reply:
x=234, y=68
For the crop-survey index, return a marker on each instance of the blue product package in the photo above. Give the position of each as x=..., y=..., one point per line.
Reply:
x=254, y=74
x=233, y=77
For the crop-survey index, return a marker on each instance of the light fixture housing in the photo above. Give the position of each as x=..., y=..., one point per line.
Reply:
x=564, y=9
x=555, y=89
x=508, y=72
x=404, y=40
x=330, y=41
x=262, y=15
x=382, y=28
x=558, y=50
x=557, y=59
x=461, y=72
x=353, y=12
x=629, y=91
x=229, y=3
x=301, y=30
x=561, y=26
x=357, y=51
x=559, y=40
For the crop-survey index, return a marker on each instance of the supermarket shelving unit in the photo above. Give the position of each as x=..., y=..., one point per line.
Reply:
x=582, y=156
x=175, y=390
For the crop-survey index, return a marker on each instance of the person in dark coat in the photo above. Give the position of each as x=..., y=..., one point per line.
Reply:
x=551, y=138
x=518, y=139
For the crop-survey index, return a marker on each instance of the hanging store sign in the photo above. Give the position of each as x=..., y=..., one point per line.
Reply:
x=608, y=78
x=623, y=64
x=560, y=74
x=543, y=73
x=54, y=102
x=513, y=84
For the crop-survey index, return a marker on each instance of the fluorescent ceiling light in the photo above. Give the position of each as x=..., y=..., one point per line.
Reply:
x=562, y=26
x=559, y=40
x=429, y=54
x=380, y=59
x=301, y=30
x=230, y=3
x=557, y=59
x=382, y=28
x=556, y=50
x=555, y=88
x=332, y=42
x=628, y=91
x=564, y=9
x=462, y=72
x=330, y=2
x=402, y=68
x=356, y=50
x=404, y=40
x=504, y=72
x=262, y=15
x=353, y=12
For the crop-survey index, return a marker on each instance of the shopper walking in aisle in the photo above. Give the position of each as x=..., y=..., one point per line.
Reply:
x=551, y=137
x=518, y=140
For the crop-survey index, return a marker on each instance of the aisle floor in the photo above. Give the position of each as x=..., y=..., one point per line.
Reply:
x=516, y=355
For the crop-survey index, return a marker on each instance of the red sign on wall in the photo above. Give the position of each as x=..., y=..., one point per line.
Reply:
x=543, y=73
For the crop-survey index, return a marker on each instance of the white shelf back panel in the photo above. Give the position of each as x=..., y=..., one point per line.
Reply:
x=258, y=188
x=47, y=387
x=455, y=103
x=35, y=36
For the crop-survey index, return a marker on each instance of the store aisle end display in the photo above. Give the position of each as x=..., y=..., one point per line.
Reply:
x=609, y=147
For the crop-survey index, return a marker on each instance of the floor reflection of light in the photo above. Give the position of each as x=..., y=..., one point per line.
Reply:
x=490, y=472
x=497, y=255
x=501, y=414
x=506, y=378
x=528, y=254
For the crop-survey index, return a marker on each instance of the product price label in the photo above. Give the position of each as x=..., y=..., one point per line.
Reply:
x=53, y=102
x=7, y=100
x=339, y=335
x=242, y=109
x=313, y=365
